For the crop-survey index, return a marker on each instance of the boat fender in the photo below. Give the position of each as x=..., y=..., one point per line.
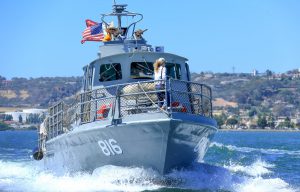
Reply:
x=37, y=154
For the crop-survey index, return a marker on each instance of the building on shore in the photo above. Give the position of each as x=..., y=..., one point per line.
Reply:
x=24, y=114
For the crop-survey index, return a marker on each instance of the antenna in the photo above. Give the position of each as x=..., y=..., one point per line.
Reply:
x=114, y=2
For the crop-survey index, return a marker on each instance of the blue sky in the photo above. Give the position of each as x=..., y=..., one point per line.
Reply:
x=42, y=38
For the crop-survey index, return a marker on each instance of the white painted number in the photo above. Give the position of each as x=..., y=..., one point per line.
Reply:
x=104, y=148
x=110, y=147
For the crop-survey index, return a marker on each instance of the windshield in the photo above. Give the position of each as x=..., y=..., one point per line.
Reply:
x=141, y=70
x=144, y=70
x=173, y=70
x=110, y=72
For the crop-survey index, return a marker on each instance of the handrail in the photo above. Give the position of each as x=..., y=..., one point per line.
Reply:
x=119, y=101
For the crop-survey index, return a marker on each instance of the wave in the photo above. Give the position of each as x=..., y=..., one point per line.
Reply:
x=7, y=149
x=258, y=178
x=261, y=150
x=30, y=176
x=264, y=185
x=257, y=169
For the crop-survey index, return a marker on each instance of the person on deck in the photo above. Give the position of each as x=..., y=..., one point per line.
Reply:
x=111, y=33
x=138, y=34
x=160, y=78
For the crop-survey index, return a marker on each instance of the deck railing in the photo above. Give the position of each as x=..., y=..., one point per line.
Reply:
x=116, y=102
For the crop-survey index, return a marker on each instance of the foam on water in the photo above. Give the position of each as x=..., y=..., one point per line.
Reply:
x=259, y=184
x=258, y=168
x=29, y=176
x=261, y=150
x=258, y=178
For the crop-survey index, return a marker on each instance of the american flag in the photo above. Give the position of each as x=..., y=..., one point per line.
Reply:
x=93, y=32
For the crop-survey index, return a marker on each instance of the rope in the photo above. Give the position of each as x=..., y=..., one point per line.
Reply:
x=148, y=66
x=151, y=99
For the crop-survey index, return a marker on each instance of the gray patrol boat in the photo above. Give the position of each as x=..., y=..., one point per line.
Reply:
x=116, y=120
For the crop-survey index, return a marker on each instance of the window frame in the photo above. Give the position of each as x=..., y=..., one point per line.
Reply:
x=178, y=71
x=149, y=65
x=118, y=75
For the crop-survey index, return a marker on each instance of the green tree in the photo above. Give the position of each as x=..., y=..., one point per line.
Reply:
x=8, y=117
x=252, y=112
x=20, y=119
x=3, y=126
x=220, y=119
x=231, y=122
x=286, y=124
x=269, y=73
x=262, y=122
x=271, y=121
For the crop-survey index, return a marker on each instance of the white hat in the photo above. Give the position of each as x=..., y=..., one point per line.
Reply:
x=162, y=60
x=111, y=24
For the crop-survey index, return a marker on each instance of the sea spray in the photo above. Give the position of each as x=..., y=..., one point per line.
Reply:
x=258, y=168
x=261, y=150
x=16, y=176
x=228, y=166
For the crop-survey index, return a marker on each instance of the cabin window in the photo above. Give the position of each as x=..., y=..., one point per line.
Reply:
x=173, y=70
x=110, y=72
x=141, y=70
x=144, y=70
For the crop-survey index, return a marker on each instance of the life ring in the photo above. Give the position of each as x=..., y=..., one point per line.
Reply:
x=180, y=108
x=103, y=110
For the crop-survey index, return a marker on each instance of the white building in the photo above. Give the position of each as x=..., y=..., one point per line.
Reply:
x=25, y=113
x=254, y=73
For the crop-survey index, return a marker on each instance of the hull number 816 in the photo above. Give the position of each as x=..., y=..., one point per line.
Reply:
x=110, y=147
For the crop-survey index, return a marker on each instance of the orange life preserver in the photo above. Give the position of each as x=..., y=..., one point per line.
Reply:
x=102, y=110
x=177, y=105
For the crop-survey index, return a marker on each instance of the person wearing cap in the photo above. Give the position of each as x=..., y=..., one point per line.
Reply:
x=138, y=34
x=111, y=33
x=160, y=80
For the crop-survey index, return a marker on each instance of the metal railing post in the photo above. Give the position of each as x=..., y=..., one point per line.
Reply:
x=119, y=102
x=170, y=97
x=210, y=99
x=201, y=98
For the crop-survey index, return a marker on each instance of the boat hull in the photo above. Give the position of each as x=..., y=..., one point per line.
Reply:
x=163, y=145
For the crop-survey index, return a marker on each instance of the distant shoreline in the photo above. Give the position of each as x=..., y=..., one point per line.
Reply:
x=17, y=129
x=258, y=130
x=221, y=130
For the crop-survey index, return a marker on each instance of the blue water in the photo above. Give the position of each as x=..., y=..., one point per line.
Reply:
x=235, y=161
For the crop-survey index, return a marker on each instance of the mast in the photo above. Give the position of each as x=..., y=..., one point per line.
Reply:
x=118, y=10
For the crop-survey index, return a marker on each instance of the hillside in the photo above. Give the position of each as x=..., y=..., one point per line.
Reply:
x=278, y=95
x=36, y=92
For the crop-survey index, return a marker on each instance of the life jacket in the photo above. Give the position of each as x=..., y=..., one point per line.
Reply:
x=107, y=37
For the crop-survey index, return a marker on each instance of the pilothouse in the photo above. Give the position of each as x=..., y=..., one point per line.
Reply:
x=118, y=118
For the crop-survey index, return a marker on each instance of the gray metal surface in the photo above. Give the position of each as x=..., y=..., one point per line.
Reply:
x=116, y=119
x=162, y=144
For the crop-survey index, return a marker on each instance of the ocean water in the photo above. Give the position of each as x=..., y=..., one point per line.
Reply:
x=235, y=161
